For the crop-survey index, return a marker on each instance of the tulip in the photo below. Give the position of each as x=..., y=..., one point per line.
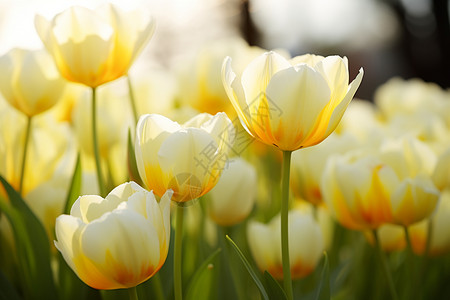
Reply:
x=358, y=190
x=233, y=197
x=116, y=242
x=392, y=237
x=290, y=104
x=306, y=244
x=93, y=47
x=367, y=190
x=29, y=81
x=186, y=158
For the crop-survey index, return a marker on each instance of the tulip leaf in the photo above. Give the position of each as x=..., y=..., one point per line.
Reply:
x=202, y=284
x=33, y=247
x=323, y=289
x=249, y=268
x=131, y=160
x=7, y=290
x=75, y=186
x=274, y=289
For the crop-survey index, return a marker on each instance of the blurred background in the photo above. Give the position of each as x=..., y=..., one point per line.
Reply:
x=406, y=38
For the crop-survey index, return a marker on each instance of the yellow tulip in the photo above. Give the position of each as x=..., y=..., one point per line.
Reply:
x=232, y=199
x=306, y=244
x=93, y=47
x=116, y=242
x=392, y=237
x=366, y=190
x=186, y=158
x=29, y=81
x=358, y=191
x=416, y=196
x=290, y=104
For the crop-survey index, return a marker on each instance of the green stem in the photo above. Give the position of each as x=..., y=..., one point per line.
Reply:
x=101, y=185
x=177, y=253
x=384, y=265
x=132, y=100
x=409, y=266
x=157, y=287
x=429, y=237
x=408, y=240
x=132, y=292
x=285, y=224
x=24, y=156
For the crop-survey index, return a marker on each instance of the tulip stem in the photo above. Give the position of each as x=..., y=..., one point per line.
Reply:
x=132, y=100
x=285, y=223
x=177, y=253
x=24, y=155
x=408, y=240
x=384, y=265
x=101, y=185
x=132, y=292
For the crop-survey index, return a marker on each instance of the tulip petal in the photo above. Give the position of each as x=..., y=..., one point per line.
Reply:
x=190, y=162
x=151, y=131
x=66, y=228
x=130, y=255
x=339, y=110
x=296, y=96
x=258, y=74
x=235, y=92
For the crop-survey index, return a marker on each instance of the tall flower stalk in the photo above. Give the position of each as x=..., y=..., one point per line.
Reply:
x=101, y=184
x=25, y=151
x=285, y=224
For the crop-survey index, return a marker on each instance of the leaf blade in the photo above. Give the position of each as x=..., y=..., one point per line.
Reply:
x=249, y=268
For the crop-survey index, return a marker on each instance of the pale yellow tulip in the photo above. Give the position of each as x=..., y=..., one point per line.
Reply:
x=29, y=81
x=233, y=197
x=93, y=47
x=116, y=242
x=186, y=158
x=306, y=244
x=290, y=104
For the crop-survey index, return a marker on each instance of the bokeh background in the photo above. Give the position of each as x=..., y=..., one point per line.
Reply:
x=406, y=38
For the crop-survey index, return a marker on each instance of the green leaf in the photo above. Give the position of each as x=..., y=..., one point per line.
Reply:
x=274, y=289
x=7, y=290
x=323, y=289
x=131, y=159
x=249, y=269
x=203, y=282
x=33, y=247
x=75, y=187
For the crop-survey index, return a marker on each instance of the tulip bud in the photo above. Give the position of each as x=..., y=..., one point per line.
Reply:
x=29, y=81
x=186, y=158
x=305, y=244
x=233, y=196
